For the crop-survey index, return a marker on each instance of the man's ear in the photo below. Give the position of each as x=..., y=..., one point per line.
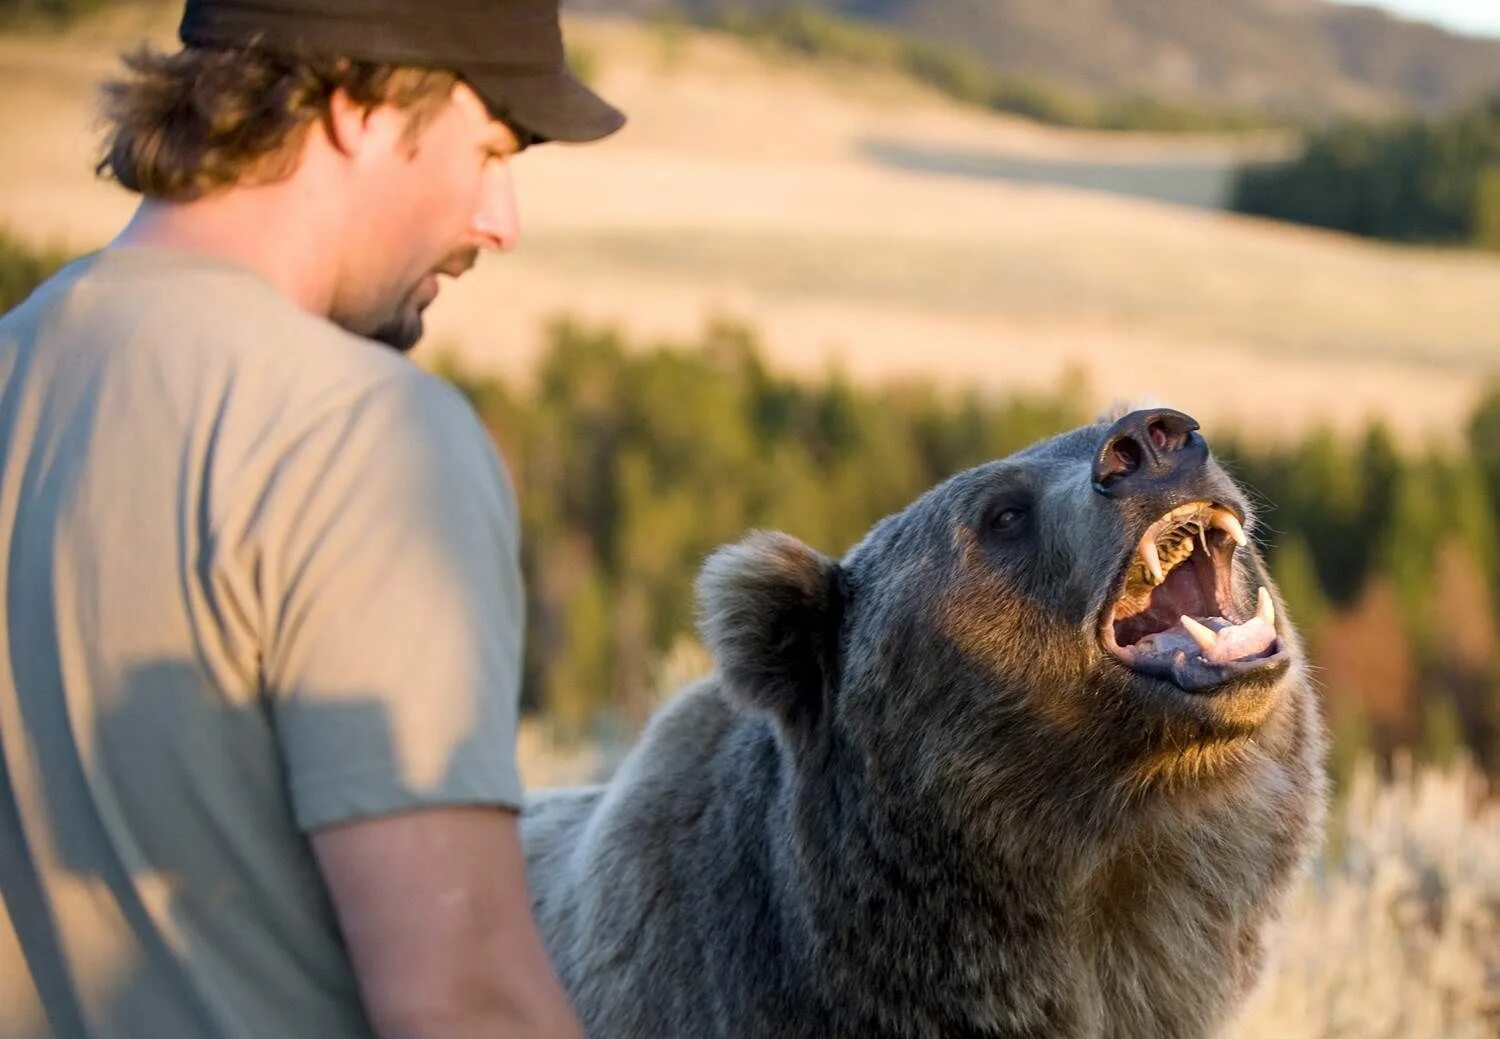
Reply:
x=770, y=609
x=348, y=123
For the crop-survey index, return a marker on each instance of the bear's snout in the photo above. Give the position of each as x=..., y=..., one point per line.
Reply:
x=1149, y=452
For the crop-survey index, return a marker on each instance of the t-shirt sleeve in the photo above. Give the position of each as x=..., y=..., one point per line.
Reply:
x=393, y=609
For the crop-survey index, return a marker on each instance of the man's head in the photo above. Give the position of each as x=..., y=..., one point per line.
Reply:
x=393, y=131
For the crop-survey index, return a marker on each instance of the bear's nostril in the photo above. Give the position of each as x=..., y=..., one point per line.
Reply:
x=1147, y=451
x=1164, y=438
x=1128, y=457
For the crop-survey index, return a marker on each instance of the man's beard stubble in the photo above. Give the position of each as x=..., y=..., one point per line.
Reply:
x=401, y=328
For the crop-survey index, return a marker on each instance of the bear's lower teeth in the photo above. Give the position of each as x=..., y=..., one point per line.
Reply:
x=1217, y=639
x=1212, y=639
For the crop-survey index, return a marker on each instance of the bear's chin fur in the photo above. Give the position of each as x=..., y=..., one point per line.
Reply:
x=759, y=868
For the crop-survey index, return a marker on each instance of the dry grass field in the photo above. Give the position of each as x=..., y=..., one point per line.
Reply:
x=1397, y=933
x=764, y=189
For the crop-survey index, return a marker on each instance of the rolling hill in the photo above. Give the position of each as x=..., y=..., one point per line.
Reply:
x=1300, y=57
x=865, y=224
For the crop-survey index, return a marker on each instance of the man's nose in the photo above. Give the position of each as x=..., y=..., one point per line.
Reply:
x=1148, y=452
x=497, y=221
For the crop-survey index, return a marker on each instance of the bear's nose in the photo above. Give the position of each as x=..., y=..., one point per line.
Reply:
x=1147, y=452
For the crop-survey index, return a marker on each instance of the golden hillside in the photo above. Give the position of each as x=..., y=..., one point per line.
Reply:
x=855, y=220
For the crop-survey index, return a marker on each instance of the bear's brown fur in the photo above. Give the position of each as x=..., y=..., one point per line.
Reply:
x=922, y=797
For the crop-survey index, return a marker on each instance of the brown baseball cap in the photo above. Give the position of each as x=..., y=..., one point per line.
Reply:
x=509, y=51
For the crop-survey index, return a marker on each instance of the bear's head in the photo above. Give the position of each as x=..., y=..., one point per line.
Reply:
x=1082, y=630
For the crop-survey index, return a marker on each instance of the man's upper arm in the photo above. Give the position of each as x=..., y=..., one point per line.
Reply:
x=391, y=599
x=434, y=910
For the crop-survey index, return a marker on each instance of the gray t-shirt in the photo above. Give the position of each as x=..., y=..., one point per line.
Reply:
x=260, y=576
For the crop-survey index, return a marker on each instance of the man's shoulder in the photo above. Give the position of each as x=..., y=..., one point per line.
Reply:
x=223, y=307
x=192, y=315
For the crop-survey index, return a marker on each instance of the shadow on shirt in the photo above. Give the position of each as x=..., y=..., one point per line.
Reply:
x=164, y=888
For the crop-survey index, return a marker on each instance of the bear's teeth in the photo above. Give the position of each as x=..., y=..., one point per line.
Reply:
x=1152, y=560
x=1267, y=609
x=1202, y=634
x=1229, y=524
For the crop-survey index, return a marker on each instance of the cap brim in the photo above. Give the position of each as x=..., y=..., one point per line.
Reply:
x=550, y=106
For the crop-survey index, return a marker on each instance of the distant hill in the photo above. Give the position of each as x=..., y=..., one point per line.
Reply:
x=1302, y=57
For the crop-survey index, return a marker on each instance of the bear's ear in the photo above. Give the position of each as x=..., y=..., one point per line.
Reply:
x=769, y=611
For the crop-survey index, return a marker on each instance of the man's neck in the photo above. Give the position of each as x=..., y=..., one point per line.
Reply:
x=259, y=228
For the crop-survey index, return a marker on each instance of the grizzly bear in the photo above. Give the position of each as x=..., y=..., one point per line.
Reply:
x=1039, y=756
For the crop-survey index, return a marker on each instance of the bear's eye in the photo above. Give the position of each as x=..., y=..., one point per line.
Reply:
x=1009, y=519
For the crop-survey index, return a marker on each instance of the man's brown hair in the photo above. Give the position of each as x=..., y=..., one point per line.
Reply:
x=181, y=126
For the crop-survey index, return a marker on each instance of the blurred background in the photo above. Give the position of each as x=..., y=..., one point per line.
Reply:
x=846, y=248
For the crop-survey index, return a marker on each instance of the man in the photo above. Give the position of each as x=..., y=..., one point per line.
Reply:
x=262, y=620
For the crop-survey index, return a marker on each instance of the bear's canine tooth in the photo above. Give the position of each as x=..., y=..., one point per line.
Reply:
x=1202, y=634
x=1153, y=561
x=1266, y=610
x=1229, y=524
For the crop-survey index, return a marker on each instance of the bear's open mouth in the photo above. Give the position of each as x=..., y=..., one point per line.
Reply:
x=1175, y=616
